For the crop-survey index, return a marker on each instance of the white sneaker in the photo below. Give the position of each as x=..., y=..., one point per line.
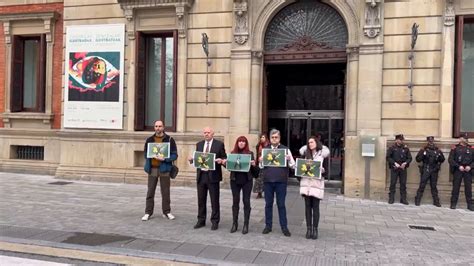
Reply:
x=169, y=216
x=146, y=217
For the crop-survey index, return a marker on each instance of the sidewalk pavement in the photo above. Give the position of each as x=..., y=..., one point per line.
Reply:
x=106, y=217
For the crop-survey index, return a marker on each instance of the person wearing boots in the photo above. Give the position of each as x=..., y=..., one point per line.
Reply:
x=431, y=159
x=258, y=184
x=461, y=160
x=241, y=181
x=398, y=158
x=312, y=189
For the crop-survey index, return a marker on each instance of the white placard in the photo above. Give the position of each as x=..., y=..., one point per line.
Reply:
x=94, y=65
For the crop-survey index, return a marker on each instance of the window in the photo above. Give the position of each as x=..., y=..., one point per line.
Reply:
x=28, y=74
x=464, y=78
x=155, y=97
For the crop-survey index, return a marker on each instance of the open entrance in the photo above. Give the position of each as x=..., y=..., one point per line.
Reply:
x=305, y=100
x=304, y=78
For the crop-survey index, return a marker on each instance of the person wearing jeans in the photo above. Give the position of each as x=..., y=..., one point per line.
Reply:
x=275, y=181
x=159, y=168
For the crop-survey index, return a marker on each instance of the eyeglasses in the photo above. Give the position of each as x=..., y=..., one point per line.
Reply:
x=275, y=137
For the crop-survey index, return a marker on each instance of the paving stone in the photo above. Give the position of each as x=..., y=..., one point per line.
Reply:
x=20, y=232
x=300, y=260
x=163, y=246
x=49, y=235
x=271, y=258
x=189, y=249
x=215, y=252
x=242, y=255
x=140, y=244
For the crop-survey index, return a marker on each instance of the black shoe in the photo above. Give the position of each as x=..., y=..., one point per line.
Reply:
x=404, y=201
x=309, y=233
x=245, y=229
x=315, y=233
x=259, y=195
x=391, y=200
x=417, y=201
x=234, y=227
x=453, y=206
x=437, y=204
x=266, y=230
x=199, y=225
x=470, y=207
x=286, y=232
x=214, y=227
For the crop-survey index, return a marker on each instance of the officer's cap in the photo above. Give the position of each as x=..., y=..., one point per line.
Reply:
x=399, y=136
x=430, y=138
x=464, y=136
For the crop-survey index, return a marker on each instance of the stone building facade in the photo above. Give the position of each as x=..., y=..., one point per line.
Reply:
x=360, y=48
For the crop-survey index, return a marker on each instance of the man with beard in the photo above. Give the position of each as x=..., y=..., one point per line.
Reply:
x=431, y=158
x=159, y=168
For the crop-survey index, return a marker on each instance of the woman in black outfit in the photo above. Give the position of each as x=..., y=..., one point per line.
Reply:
x=241, y=181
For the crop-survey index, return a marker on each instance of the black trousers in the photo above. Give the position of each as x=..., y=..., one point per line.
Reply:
x=432, y=177
x=165, y=192
x=396, y=174
x=246, y=192
x=203, y=188
x=311, y=211
x=458, y=177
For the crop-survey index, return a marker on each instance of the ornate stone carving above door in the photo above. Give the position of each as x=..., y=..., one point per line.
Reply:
x=241, y=28
x=372, y=25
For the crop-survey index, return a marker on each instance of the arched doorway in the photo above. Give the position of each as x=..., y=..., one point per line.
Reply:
x=304, y=78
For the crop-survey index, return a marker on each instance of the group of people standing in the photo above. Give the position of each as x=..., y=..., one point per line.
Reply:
x=273, y=181
x=430, y=157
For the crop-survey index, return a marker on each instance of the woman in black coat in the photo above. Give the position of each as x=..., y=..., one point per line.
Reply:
x=241, y=181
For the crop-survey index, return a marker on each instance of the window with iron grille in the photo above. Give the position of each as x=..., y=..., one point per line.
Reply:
x=28, y=152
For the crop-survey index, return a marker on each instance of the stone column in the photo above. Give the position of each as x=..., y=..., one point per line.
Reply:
x=351, y=89
x=447, y=73
x=256, y=92
x=182, y=21
x=240, y=86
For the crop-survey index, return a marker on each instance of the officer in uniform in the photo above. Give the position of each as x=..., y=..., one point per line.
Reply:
x=398, y=158
x=461, y=160
x=431, y=159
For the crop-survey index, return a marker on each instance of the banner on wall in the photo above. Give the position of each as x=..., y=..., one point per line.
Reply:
x=94, y=69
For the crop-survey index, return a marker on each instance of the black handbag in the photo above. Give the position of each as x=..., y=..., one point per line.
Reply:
x=174, y=171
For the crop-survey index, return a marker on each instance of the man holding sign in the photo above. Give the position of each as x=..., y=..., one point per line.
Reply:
x=158, y=165
x=208, y=176
x=275, y=177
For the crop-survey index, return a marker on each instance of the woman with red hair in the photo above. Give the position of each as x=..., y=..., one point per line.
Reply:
x=241, y=181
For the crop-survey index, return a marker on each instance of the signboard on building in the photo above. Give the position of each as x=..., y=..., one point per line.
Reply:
x=94, y=60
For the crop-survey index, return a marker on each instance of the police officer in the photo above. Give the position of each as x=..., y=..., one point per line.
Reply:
x=398, y=158
x=431, y=158
x=461, y=160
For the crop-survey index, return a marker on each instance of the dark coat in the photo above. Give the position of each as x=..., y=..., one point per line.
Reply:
x=250, y=174
x=217, y=148
x=398, y=154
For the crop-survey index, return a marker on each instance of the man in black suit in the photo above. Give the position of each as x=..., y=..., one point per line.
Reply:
x=209, y=180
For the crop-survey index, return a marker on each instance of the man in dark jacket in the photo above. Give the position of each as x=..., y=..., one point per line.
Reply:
x=208, y=181
x=461, y=160
x=398, y=158
x=159, y=168
x=275, y=181
x=431, y=159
